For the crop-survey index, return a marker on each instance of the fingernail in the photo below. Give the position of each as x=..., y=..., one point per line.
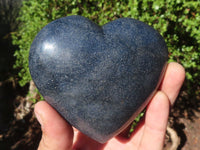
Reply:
x=39, y=118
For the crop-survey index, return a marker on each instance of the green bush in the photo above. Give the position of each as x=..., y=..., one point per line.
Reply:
x=177, y=21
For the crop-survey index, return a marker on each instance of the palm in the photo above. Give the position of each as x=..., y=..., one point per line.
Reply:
x=116, y=143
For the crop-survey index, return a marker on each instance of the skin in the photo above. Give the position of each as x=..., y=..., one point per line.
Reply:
x=149, y=134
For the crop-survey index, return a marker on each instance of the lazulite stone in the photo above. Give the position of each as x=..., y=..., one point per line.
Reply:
x=98, y=78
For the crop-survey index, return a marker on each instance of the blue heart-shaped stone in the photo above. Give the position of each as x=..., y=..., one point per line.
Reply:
x=98, y=78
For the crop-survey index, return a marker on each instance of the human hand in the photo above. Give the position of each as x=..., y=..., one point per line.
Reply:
x=149, y=134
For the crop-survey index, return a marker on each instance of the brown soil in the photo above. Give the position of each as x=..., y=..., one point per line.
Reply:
x=24, y=132
x=191, y=129
x=185, y=120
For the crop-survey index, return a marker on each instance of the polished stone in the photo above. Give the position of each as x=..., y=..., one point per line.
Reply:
x=98, y=78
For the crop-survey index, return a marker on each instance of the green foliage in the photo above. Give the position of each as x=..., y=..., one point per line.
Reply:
x=177, y=21
x=136, y=121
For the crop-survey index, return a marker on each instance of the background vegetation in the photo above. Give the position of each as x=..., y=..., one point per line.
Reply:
x=176, y=20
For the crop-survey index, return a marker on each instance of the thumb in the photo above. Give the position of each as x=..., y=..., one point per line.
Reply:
x=56, y=132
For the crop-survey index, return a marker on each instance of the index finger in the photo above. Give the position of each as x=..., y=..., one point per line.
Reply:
x=172, y=81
